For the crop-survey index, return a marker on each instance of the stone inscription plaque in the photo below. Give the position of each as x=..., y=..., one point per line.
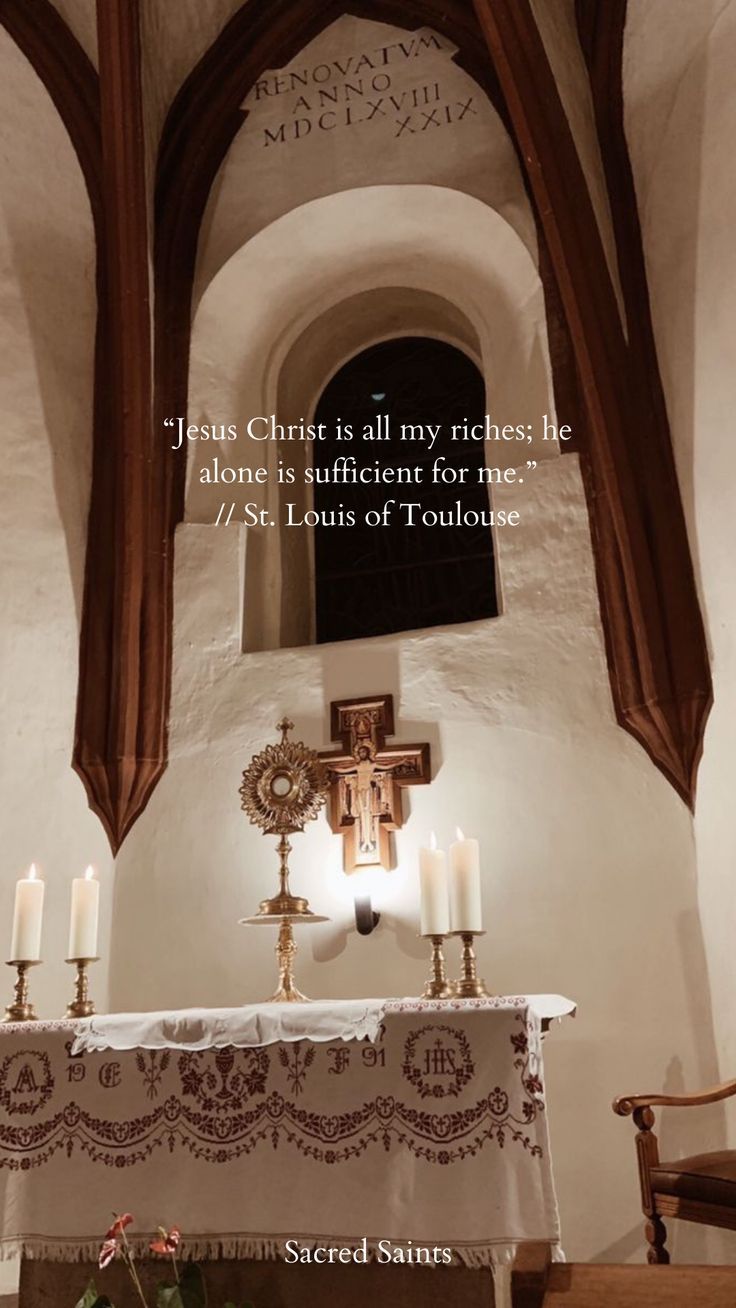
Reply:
x=402, y=88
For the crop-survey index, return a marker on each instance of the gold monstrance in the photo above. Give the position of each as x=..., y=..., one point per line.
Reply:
x=284, y=787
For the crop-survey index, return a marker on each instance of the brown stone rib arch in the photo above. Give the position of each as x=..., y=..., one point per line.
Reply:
x=120, y=740
x=119, y=748
x=601, y=28
x=72, y=82
x=199, y=130
x=660, y=677
x=658, y=663
x=202, y=124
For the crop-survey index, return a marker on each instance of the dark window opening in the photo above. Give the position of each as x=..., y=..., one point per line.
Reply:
x=374, y=580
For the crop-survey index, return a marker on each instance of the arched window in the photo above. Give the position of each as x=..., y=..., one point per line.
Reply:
x=371, y=581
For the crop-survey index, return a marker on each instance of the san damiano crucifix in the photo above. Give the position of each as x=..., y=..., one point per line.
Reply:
x=366, y=779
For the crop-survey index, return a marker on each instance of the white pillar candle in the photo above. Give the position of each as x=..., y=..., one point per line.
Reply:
x=465, y=901
x=84, y=916
x=27, y=918
x=435, y=915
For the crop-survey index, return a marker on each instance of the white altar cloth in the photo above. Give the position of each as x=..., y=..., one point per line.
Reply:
x=254, y=1025
x=435, y=1132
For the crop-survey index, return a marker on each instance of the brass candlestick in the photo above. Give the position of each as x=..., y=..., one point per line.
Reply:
x=437, y=987
x=21, y=1010
x=81, y=1005
x=469, y=986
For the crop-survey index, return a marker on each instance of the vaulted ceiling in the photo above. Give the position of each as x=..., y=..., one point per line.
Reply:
x=152, y=117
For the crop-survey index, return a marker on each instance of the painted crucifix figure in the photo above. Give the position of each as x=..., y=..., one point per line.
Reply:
x=367, y=777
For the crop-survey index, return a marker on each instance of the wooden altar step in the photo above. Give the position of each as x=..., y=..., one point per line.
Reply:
x=270, y=1285
x=275, y=1285
x=536, y=1284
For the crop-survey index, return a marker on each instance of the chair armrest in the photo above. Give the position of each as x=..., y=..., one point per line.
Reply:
x=625, y=1105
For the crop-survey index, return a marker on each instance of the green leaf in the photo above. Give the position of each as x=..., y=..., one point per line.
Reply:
x=193, y=1288
x=91, y=1299
x=169, y=1296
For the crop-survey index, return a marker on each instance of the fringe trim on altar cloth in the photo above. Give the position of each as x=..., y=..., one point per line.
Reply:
x=260, y=1248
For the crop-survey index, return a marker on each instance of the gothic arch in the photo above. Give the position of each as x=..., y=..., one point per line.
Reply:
x=268, y=334
x=659, y=671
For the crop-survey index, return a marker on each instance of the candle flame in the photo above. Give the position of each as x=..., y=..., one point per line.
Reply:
x=89, y=874
x=432, y=840
x=32, y=873
x=459, y=834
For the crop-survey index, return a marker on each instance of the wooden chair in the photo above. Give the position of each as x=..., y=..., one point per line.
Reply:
x=535, y=1283
x=701, y=1188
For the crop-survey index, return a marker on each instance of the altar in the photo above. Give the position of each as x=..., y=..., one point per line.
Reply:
x=403, y=1131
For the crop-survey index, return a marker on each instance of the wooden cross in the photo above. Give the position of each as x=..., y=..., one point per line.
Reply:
x=366, y=779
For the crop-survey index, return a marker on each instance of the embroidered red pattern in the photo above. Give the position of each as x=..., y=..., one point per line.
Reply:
x=225, y=1111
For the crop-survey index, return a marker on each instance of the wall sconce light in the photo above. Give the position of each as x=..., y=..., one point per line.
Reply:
x=366, y=919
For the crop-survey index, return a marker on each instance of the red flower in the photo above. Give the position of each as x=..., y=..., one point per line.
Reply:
x=119, y=1226
x=107, y=1253
x=168, y=1242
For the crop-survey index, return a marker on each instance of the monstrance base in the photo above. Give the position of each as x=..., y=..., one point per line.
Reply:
x=286, y=948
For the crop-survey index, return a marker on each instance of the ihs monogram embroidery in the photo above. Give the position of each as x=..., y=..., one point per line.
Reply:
x=438, y=1061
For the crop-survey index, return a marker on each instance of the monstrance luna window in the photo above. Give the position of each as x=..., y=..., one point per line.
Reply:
x=371, y=581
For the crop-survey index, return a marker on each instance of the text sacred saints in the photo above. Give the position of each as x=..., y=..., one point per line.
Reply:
x=385, y=1252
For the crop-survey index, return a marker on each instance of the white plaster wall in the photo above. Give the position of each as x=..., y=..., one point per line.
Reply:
x=589, y=863
x=47, y=317
x=259, y=180
x=47, y=321
x=681, y=124
x=588, y=853
x=583, y=841
x=175, y=34
x=319, y=254
x=369, y=239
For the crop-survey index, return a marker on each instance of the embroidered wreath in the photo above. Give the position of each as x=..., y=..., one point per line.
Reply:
x=26, y=1082
x=459, y=1074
